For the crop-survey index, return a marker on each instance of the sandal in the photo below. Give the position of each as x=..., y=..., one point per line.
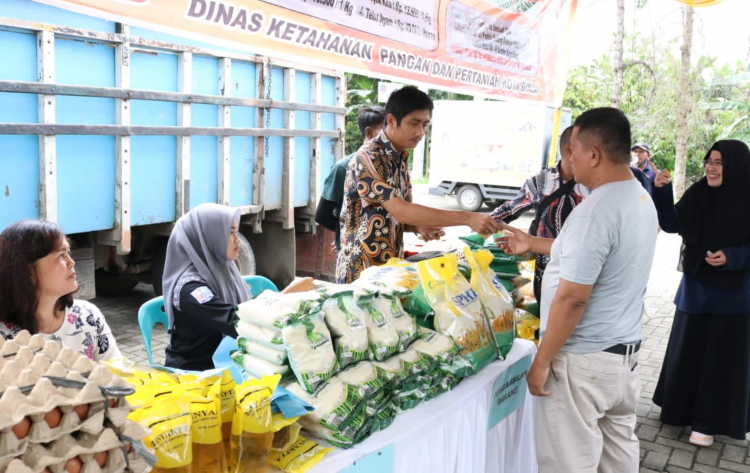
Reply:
x=701, y=440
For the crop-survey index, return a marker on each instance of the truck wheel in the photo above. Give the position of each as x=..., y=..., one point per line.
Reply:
x=109, y=284
x=469, y=198
x=246, y=260
x=157, y=270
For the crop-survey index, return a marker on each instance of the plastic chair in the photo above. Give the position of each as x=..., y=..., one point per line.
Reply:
x=150, y=314
x=259, y=284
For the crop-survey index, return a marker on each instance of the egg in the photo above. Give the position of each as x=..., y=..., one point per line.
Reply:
x=82, y=411
x=73, y=465
x=53, y=417
x=101, y=458
x=21, y=429
x=111, y=403
x=128, y=447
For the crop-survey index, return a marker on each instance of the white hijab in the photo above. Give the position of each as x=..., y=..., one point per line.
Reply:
x=197, y=250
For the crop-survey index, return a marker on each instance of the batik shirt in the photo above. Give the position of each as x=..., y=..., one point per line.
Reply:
x=84, y=330
x=531, y=195
x=370, y=236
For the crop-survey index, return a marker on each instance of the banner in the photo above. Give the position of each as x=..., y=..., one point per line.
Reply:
x=507, y=48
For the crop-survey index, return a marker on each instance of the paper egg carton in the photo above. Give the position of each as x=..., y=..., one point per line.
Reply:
x=86, y=453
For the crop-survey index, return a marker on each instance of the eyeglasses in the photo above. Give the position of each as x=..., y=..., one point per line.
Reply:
x=715, y=164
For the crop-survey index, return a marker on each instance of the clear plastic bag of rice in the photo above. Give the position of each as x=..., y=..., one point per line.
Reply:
x=310, y=351
x=436, y=345
x=396, y=278
x=273, y=355
x=274, y=310
x=265, y=336
x=336, y=405
x=382, y=336
x=366, y=377
x=346, y=321
x=404, y=323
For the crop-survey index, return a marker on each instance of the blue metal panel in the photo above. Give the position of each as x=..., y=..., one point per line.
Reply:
x=302, y=146
x=18, y=62
x=82, y=63
x=328, y=122
x=152, y=165
x=85, y=164
x=86, y=183
x=186, y=41
x=32, y=11
x=204, y=149
x=19, y=158
x=274, y=162
x=242, y=158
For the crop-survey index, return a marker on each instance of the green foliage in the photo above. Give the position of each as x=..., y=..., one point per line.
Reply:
x=651, y=94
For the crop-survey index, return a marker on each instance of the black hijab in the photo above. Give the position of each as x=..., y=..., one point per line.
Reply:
x=713, y=219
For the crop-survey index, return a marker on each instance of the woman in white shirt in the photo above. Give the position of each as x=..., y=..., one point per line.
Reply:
x=37, y=283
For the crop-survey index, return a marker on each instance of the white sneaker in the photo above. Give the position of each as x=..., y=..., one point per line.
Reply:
x=701, y=440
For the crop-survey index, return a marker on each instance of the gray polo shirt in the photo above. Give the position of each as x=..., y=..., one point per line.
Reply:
x=608, y=242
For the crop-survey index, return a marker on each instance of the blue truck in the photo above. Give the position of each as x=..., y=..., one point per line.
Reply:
x=115, y=132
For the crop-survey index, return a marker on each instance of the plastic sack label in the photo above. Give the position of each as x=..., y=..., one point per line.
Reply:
x=458, y=310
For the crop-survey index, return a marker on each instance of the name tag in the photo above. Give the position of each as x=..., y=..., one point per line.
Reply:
x=203, y=294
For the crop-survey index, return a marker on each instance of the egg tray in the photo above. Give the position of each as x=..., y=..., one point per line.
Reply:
x=54, y=456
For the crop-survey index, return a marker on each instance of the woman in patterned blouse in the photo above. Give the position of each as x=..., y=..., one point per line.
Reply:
x=37, y=283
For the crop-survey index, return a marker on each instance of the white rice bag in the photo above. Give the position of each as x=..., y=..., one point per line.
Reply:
x=336, y=405
x=273, y=355
x=436, y=345
x=257, y=367
x=274, y=310
x=381, y=335
x=310, y=351
x=405, y=324
x=366, y=377
x=265, y=336
x=347, y=324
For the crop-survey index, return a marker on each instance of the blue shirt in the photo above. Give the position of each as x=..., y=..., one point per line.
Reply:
x=693, y=296
x=650, y=172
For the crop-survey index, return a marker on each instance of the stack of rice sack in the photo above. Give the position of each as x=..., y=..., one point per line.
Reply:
x=260, y=326
x=60, y=411
x=386, y=365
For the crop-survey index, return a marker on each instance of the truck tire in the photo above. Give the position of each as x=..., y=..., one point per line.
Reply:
x=157, y=270
x=109, y=284
x=469, y=198
x=246, y=260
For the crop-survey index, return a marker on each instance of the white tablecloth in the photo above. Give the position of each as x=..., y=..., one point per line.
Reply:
x=449, y=433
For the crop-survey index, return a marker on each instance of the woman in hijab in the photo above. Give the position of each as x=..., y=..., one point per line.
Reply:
x=202, y=285
x=705, y=380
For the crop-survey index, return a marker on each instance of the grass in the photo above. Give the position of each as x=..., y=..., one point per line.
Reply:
x=420, y=181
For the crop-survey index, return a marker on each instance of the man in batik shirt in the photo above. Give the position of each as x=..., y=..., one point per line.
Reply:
x=377, y=193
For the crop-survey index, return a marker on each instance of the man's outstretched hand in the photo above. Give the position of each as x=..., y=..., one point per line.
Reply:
x=513, y=241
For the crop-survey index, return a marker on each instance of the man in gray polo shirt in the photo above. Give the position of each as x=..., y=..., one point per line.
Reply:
x=592, y=306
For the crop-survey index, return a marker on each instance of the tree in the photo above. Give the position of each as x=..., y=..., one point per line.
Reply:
x=619, y=48
x=619, y=40
x=650, y=99
x=683, y=109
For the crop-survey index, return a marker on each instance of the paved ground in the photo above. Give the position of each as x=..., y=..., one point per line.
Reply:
x=663, y=448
